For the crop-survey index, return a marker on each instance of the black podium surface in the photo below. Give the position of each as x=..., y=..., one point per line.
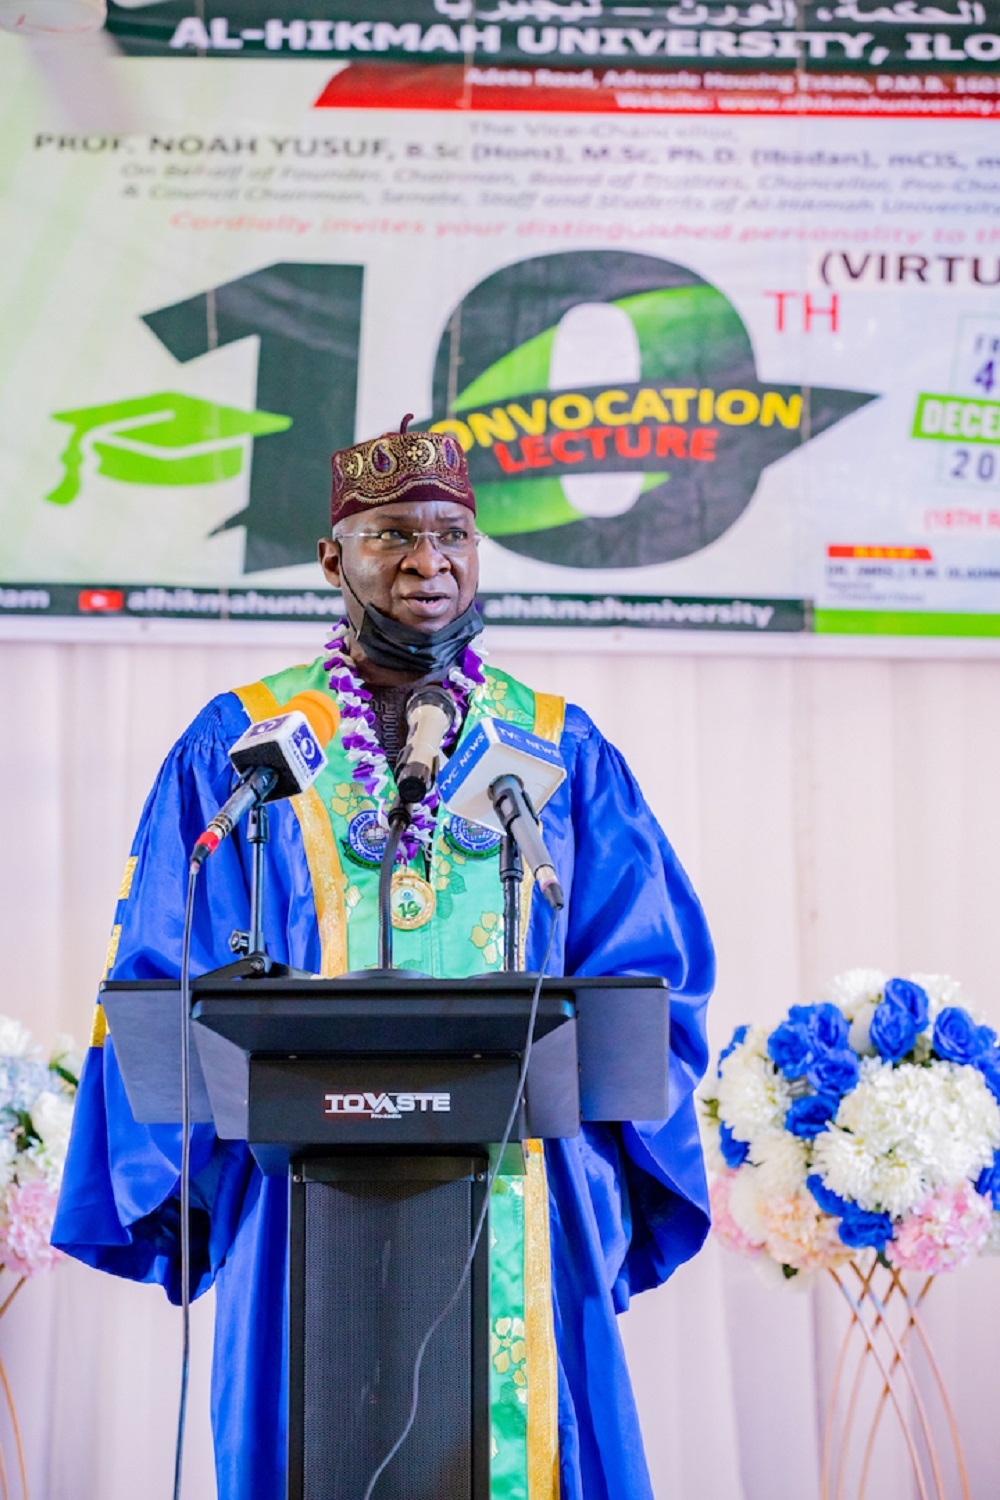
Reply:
x=610, y=1064
x=379, y=1098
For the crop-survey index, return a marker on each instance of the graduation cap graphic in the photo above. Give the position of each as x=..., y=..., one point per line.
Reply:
x=168, y=438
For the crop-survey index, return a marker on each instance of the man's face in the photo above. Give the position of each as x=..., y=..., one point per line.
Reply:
x=425, y=585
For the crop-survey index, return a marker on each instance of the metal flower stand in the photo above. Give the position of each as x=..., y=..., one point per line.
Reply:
x=6, y=1492
x=886, y=1369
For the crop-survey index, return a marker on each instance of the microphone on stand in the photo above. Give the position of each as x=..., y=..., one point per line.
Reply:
x=430, y=713
x=277, y=757
x=498, y=777
x=520, y=821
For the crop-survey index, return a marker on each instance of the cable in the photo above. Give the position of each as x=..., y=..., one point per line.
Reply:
x=185, y=1172
x=480, y=1222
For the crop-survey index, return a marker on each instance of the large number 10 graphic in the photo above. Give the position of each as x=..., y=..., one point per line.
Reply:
x=308, y=320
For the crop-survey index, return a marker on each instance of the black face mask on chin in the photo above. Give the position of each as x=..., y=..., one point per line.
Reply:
x=401, y=648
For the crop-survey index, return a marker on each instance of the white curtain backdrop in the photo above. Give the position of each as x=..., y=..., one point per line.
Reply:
x=832, y=812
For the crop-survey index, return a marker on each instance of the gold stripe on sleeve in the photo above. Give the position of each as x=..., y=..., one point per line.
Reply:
x=99, y=1029
x=125, y=889
x=540, y=1334
x=112, y=953
x=550, y=713
x=320, y=848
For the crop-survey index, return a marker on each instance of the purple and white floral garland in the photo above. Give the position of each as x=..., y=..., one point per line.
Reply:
x=369, y=765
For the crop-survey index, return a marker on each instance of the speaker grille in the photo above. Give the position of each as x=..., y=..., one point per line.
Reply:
x=382, y=1259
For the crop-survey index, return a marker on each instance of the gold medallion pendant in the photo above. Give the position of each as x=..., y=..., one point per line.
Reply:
x=413, y=900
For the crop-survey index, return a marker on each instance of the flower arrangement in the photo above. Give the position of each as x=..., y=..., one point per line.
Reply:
x=36, y=1108
x=870, y=1120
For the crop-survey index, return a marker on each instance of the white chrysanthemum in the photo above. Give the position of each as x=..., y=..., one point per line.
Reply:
x=854, y=989
x=52, y=1116
x=746, y=1196
x=942, y=991
x=753, y=1096
x=846, y=1163
x=780, y=1161
x=905, y=1131
x=15, y=1039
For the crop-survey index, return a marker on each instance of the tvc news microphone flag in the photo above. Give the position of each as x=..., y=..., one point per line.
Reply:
x=491, y=750
x=707, y=292
x=501, y=777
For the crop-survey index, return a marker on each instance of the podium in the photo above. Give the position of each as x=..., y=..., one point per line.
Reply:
x=382, y=1102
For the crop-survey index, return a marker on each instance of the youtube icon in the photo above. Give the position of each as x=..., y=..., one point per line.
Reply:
x=101, y=601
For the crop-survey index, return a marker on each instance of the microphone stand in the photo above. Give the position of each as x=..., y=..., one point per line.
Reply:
x=511, y=874
x=257, y=835
x=255, y=961
x=399, y=821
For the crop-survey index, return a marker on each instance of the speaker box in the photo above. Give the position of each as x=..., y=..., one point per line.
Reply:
x=377, y=1247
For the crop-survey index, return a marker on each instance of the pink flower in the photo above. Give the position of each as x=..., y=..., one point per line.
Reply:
x=26, y=1220
x=800, y=1234
x=943, y=1232
x=723, y=1223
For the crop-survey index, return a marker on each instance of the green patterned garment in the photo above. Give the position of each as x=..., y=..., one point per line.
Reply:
x=463, y=937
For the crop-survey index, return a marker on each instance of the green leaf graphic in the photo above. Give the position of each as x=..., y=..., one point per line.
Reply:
x=168, y=438
x=690, y=333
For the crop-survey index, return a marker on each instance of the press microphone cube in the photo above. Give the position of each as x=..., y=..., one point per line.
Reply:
x=285, y=744
x=495, y=749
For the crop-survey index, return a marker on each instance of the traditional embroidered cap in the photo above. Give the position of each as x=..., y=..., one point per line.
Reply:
x=399, y=466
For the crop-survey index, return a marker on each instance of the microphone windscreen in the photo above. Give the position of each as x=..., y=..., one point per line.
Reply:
x=321, y=711
x=435, y=696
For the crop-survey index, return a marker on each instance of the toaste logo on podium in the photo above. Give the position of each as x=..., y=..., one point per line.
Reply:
x=385, y=1106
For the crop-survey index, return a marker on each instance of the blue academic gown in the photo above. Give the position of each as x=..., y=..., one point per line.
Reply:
x=628, y=1203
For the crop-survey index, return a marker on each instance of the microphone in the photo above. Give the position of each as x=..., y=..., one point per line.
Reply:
x=430, y=713
x=520, y=821
x=276, y=758
x=498, y=776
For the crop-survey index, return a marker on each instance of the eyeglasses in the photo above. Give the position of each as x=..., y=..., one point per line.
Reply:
x=397, y=541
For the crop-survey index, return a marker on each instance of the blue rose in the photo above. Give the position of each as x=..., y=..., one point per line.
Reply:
x=958, y=1039
x=736, y=1040
x=860, y=1229
x=829, y=1027
x=893, y=1030
x=790, y=1048
x=829, y=1201
x=988, y=1182
x=912, y=996
x=807, y=1117
x=734, y=1152
x=834, y=1072
x=989, y=1065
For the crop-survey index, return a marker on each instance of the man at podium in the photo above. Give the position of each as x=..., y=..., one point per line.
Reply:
x=596, y=1218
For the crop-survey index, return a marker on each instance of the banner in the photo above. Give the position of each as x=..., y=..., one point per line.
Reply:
x=707, y=292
